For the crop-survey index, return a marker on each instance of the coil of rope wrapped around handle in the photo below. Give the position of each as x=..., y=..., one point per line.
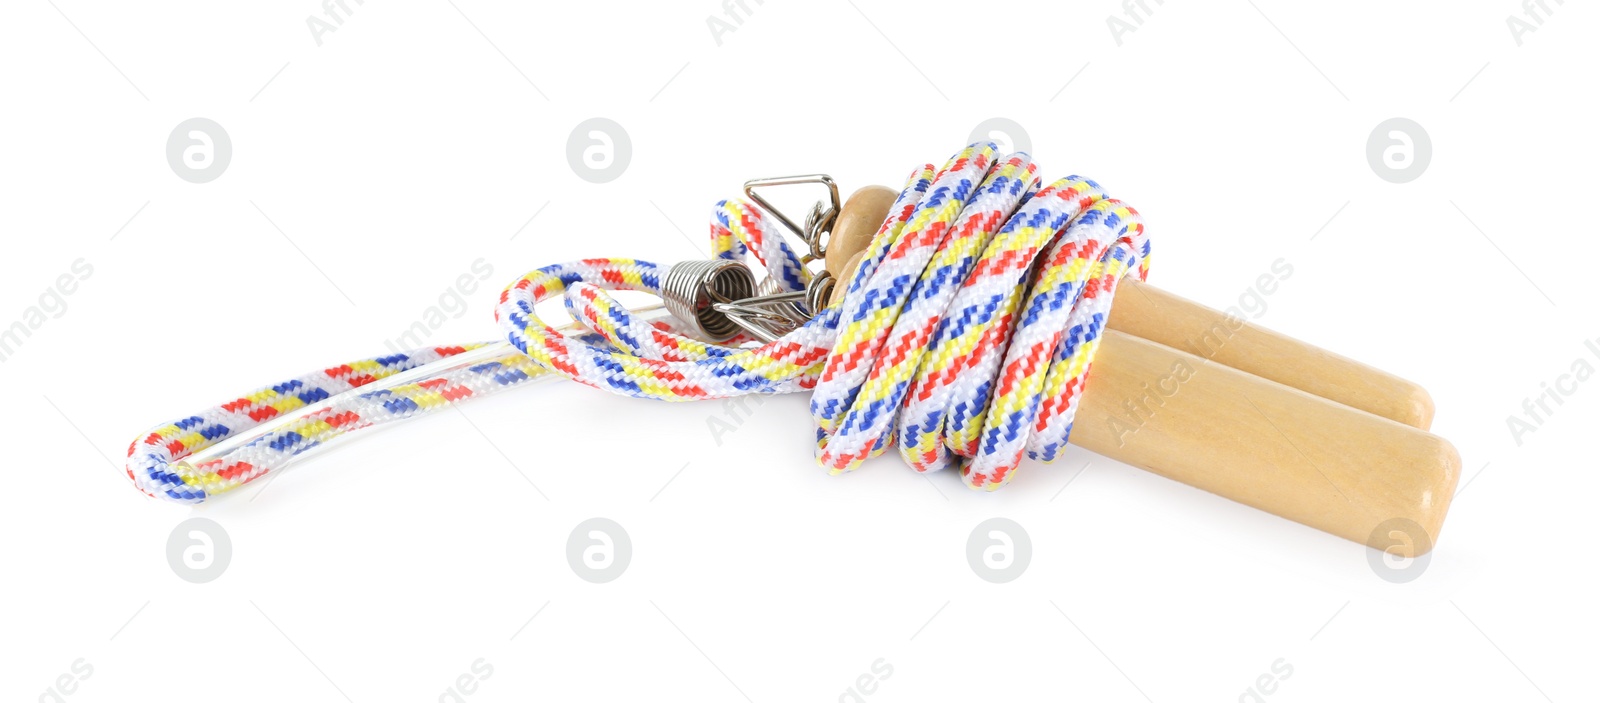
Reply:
x=966, y=330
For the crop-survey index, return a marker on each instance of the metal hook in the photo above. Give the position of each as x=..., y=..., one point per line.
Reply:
x=772, y=315
x=720, y=297
x=818, y=222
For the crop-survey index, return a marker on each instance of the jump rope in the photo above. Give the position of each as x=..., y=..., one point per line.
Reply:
x=964, y=338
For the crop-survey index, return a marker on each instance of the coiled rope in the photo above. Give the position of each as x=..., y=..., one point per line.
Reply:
x=966, y=332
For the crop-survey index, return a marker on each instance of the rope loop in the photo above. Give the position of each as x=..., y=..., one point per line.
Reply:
x=964, y=337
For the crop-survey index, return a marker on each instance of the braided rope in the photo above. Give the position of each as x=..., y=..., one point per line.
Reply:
x=967, y=333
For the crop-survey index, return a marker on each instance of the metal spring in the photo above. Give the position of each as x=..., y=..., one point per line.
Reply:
x=691, y=288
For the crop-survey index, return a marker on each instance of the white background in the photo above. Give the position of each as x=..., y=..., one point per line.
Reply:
x=410, y=144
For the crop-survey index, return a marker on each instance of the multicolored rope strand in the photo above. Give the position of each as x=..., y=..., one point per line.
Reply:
x=965, y=336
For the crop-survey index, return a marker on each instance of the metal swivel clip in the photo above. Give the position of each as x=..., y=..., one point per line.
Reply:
x=721, y=298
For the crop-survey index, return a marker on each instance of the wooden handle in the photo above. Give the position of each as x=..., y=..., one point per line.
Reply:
x=1246, y=413
x=1262, y=443
x=859, y=219
x=1145, y=311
